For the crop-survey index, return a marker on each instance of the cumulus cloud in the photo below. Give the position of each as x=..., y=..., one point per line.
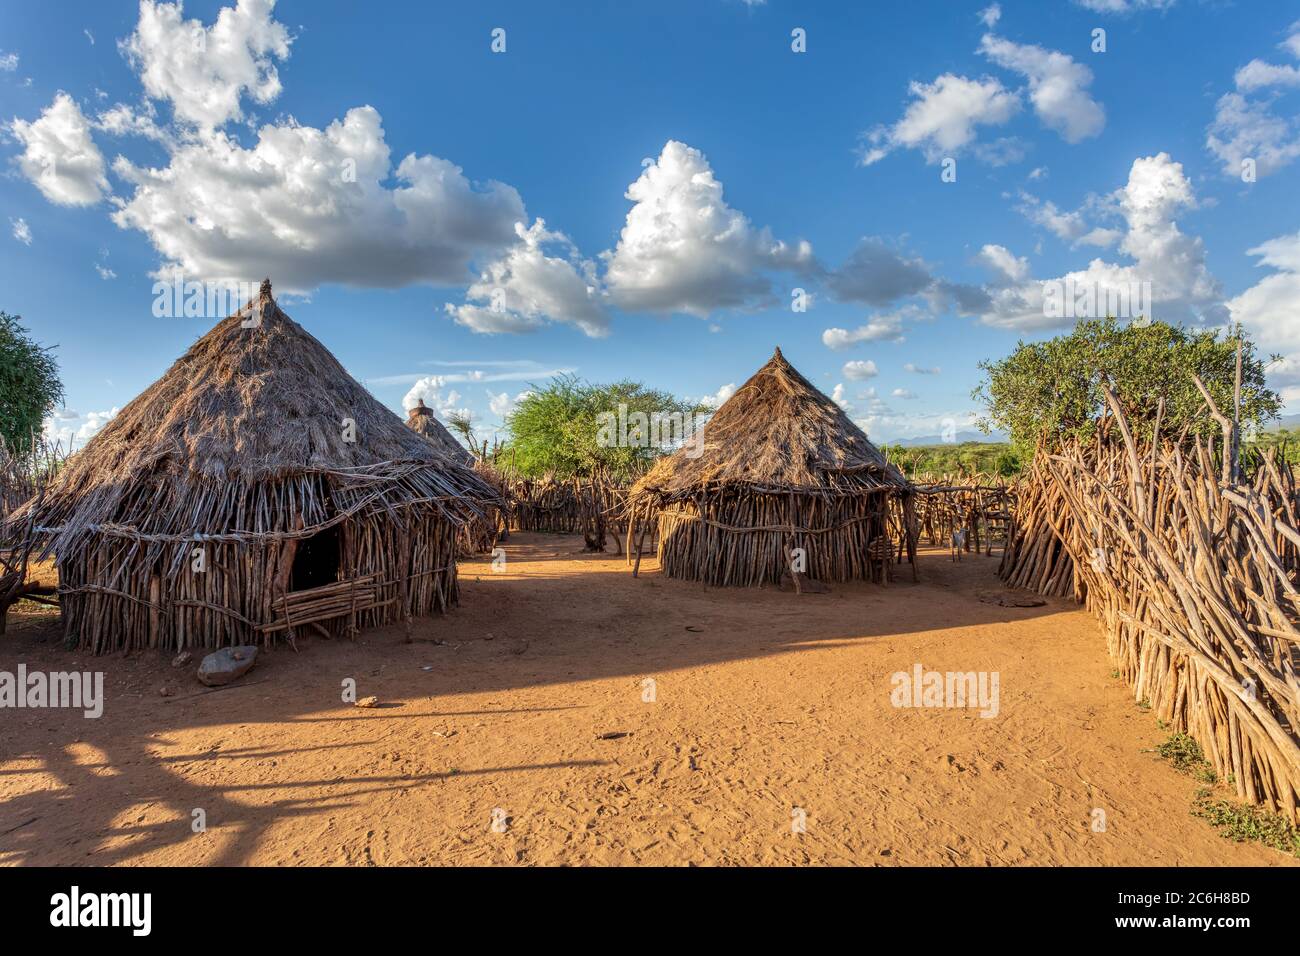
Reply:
x=1246, y=128
x=859, y=369
x=8, y=62
x=72, y=429
x=59, y=156
x=203, y=72
x=838, y=397
x=1058, y=86
x=990, y=15
x=1182, y=287
x=1072, y=227
x=942, y=118
x=313, y=208
x=904, y=393
x=1268, y=308
x=21, y=231
x=502, y=404
x=723, y=393
x=430, y=388
x=683, y=249
x=887, y=327
x=525, y=288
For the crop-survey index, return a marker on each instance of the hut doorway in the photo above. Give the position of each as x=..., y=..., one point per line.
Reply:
x=316, y=561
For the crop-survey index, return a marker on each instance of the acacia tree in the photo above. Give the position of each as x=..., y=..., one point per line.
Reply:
x=29, y=386
x=557, y=427
x=1054, y=388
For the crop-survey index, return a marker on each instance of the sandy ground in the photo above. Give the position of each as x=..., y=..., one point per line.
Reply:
x=767, y=708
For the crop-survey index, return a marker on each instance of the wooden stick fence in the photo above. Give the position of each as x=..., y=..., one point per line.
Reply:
x=1190, y=566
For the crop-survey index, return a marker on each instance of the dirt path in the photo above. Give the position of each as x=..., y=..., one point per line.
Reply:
x=766, y=705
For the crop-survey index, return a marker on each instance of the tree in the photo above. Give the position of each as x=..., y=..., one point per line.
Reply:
x=29, y=386
x=1054, y=388
x=564, y=427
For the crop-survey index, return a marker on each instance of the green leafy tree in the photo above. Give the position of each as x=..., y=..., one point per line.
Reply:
x=29, y=385
x=563, y=427
x=1054, y=388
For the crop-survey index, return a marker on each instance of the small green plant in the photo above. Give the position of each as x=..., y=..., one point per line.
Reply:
x=1242, y=823
x=1186, y=756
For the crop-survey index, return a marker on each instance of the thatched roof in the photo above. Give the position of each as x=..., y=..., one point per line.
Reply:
x=245, y=434
x=777, y=433
x=422, y=421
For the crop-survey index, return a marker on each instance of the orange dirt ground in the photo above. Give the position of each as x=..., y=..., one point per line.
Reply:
x=765, y=702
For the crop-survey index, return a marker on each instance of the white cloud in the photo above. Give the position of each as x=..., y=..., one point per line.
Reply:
x=1182, y=287
x=886, y=327
x=1249, y=129
x=1072, y=227
x=990, y=15
x=430, y=388
x=105, y=272
x=1008, y=268
x=59, y=157
x=721, y=395
x=941, y=119
x=903, y=393
x=1268, y=308
x=837, y=396
x=522, y=290
x=314, y=208
x=89, y=36
x=1057, y=86
x=8, y=62
x=73, y=430
x=922, y=370
x=857, y=370
x=204, y=71
x=502, y=405
x=124, y=120
x=683, y=249
x=22, y=232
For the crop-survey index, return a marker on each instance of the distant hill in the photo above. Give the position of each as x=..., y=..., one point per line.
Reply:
x=962, y=437
x=1289, y=422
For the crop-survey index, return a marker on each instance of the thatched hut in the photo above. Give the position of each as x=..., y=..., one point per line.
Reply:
x=256, y=488
x=421, y=420
x=780, y=467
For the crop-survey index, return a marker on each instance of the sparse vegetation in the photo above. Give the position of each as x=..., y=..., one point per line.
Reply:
x=1243, y=823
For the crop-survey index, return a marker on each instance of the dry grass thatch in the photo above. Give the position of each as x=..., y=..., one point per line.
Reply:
x=180, y=523
x=781, y=467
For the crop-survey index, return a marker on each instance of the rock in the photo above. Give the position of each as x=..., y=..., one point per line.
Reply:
x=181, y=659
x=807, y=585
x=367, y=702
x=166, y=690
x=227, y=665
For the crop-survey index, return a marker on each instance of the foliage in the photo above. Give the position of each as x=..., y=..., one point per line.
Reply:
x=557, y=428
x=1241, y=823
x=1054, y=388
x=968, y=458
x=29, y=386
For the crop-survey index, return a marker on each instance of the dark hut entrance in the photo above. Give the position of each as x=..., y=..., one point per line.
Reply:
x=316, y=561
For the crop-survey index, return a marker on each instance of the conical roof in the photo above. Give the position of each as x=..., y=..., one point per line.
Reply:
x=777, y=433
x=422, y=421
x=254, y=402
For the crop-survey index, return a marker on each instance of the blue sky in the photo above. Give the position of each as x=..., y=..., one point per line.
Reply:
x=374, y=159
